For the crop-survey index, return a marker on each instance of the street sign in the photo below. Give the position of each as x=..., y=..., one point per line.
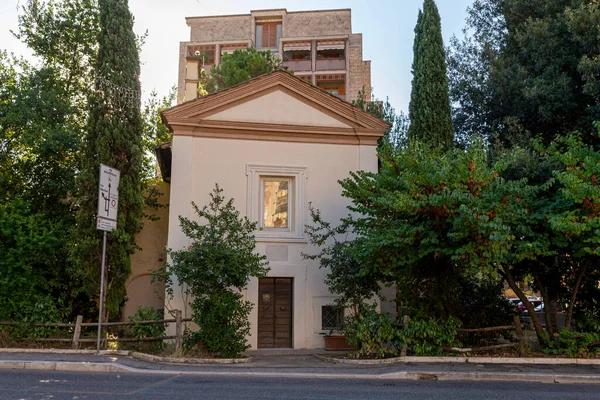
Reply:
x=108, y=198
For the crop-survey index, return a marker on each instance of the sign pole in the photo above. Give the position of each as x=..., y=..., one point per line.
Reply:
x=106, y=220
x=101, y=293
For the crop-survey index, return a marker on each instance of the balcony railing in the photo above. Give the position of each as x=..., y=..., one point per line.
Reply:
x=331, y=64
x=298, y=65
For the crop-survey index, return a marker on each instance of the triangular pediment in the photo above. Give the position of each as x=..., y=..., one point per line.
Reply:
x=275, y=106
x=279, y=107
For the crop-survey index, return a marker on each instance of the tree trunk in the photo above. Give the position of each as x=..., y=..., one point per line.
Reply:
x=574, y=293
x=539, y=330
x=546, y=299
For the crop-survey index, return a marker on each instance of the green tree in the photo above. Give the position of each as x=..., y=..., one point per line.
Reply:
x=42, y=119
x=38, y=151
x=238, y=67
x=63, y=35
x=114, y=137
x=527, y=67
x=429, y=108
x=406, y=230
x=395, y=136
x=154, y=132
x=431, y=219
x=215, y=268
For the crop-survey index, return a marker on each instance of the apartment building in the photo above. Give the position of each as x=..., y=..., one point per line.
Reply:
x=318, y=46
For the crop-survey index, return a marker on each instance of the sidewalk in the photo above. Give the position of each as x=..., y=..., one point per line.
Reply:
x=304, y=364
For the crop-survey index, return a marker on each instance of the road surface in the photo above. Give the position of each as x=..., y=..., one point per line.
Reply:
x=55, y=385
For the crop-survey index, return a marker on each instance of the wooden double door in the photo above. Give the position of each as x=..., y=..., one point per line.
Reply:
x=275, y=306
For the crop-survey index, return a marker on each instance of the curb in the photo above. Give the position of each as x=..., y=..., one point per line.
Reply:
x=472, y=360
x=63, y=366
x=328, y=359
x=428, y=376
x=188, y=360
x=134, y=354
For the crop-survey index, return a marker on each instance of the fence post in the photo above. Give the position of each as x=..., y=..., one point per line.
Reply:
x=77, y=332
x=520, y=335
x=405, y=320
x=178, y=331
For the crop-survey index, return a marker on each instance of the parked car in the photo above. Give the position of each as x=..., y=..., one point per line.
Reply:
x=536, y=303
x=514, y=301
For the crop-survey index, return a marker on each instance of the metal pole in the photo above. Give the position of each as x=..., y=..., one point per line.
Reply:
x=101, y=293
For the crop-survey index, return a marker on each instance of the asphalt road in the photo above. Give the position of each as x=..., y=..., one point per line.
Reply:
x=53, y=385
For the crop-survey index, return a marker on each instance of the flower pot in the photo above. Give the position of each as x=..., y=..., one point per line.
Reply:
x=337, y=343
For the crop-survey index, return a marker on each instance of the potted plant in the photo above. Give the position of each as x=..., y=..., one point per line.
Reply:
x=337, y=341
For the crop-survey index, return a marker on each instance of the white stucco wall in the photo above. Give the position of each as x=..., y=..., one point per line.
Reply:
x=199, y=163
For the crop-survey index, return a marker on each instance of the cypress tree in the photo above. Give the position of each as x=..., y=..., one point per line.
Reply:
x=114, y=137
x=429, y=108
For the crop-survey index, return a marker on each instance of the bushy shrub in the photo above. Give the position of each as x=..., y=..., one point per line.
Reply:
x=370, y=332
x=427, y=337
x=215, y=268
x=43, y=309
x=574, y=344
x=483, y=305
x=223, y=322
x=141, y=331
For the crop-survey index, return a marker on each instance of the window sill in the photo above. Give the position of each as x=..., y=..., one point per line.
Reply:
x=284, y=237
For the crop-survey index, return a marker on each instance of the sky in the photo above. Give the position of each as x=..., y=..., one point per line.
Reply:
x=387, y=27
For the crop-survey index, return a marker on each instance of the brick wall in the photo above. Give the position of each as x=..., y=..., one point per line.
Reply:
x=304, y=24
x=222, y=29
x=355, y=66
x=181, y=73
x=322, y=23
x=366, y=78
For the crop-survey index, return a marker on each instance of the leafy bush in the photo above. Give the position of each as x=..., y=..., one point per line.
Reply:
x=31, y=285
x=428, y=336
x=370, y=332
x=41, y=309
x=574, y=344
x=223, y=322
x=588, y=322
x=482, y=304
x=215, y=268
x=148, y=330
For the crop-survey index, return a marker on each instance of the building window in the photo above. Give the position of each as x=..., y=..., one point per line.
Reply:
x=276, y=207
x=332, y=317
x=277, y=202
x=268, y=35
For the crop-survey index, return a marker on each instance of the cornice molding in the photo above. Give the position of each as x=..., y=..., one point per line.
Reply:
x=276, y=132
x=363, y=128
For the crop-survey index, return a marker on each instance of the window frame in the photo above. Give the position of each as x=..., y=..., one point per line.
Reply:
x=290, y=202
x=340, y=315
x=297, y=206
x=263, y=39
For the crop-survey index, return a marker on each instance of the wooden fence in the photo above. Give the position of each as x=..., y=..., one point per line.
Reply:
x=518, y=327
x=76, y=339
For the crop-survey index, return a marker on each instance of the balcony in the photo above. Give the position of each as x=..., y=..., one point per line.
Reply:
x=331, y=64
x=298, y=65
